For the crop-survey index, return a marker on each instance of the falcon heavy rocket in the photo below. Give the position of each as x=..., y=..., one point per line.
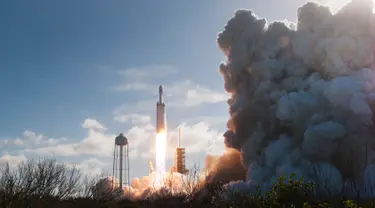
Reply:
x=160, y=113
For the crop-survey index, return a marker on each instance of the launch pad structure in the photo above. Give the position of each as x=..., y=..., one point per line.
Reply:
x=180, y=158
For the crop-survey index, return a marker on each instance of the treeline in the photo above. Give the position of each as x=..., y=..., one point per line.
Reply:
x=47, y=183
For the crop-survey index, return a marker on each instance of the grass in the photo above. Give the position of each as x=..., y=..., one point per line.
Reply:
x=47, y=183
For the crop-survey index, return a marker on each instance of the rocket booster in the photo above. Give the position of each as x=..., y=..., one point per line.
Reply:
x=160, y=112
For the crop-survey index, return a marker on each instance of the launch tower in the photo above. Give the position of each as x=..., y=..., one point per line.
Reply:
x=121, y=161
x=180, y=157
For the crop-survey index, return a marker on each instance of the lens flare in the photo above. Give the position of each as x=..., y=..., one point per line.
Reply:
x=160, y=147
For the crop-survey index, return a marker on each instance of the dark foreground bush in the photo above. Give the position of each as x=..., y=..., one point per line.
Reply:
x=47, y=183
x=288, y=193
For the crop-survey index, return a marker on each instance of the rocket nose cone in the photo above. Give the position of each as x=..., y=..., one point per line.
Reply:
x=160, y=89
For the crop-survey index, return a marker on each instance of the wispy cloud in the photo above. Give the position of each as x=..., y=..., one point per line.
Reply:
x=178, y=94
x=214, y=121
x=196, y=139
x=93, y=124
x=97, y=142
x=148, y=72
x=11, y=142
x=143, y=78
x=92, y=166
x=139, y=106
x=189, y=94
x=11, y=159
x=134, y=118
x=93, y=152
x=199, y=137
x=30, y=139
x=136, y=86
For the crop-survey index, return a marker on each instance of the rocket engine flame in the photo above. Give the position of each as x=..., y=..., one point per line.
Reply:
x=160, y=156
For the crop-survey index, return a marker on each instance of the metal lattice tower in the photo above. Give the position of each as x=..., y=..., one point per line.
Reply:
x=121, y=161
x=180, y=157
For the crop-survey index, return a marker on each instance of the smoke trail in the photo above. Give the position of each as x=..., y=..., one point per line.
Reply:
x=146, y=187
x=302, y=99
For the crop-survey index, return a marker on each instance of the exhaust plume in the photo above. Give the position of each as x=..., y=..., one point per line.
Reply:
x=302, y=99
x=225, y=168
x=161, y=150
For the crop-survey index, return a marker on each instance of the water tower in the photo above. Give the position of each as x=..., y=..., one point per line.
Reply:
x=121, y=161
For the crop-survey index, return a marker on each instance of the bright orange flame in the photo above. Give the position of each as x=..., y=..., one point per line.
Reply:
x=160, y=149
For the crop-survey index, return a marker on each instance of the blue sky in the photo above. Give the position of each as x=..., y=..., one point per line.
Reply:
x=73, y=74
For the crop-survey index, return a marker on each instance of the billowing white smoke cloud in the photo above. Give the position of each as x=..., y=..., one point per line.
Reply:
x=302, y=99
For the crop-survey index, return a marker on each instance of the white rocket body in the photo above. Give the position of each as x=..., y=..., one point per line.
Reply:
x=160, y=113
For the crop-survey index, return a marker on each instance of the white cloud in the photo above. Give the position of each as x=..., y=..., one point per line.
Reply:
x=31, y=138
x=18, y=142
x=180, y=94
x=93, y=124
x=92, y=166
x=215, y=121
x=184, y=93
x=96, y=149
x=138, y=106
x=134, y=118
x=148, y=72
x=200, y=137
x=56, y=150
x=194, y=97
x=141, y=78
x=196, y=139
x=11, y=159
x=189, y=94
x=98, y=142
x=95, y=143
x=133, y=86
x=30, y=135
x=12, y=142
